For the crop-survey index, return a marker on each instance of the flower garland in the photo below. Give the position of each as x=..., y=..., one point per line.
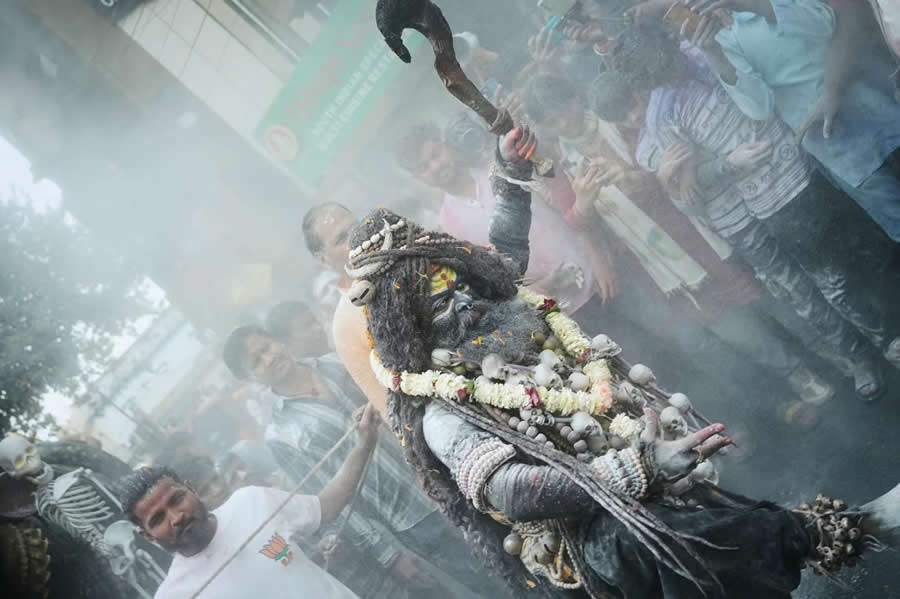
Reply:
x=625, y=427
x=564, y=402
x=431, y=383
x=564, y=328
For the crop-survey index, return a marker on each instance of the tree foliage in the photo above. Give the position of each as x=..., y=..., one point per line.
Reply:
x=63, y=300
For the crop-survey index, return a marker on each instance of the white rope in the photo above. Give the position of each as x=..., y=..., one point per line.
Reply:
x=283, y=504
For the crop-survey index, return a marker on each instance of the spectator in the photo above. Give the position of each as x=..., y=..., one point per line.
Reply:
x=171, y=514
x=680, y=258
x=315, y=400
x=771, y=60
x=762, y=196
x=325, y=230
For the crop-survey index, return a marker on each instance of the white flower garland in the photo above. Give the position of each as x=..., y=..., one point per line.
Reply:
x=569, y=333
x=598, y=372
x=625, y=427
x=564, y=328
x=530, y=297
x=430, y=383
x=564, y=402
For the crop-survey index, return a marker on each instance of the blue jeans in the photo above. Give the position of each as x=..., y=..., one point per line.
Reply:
x=879, y=195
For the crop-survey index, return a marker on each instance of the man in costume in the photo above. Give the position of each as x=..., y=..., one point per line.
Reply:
x=554, y=461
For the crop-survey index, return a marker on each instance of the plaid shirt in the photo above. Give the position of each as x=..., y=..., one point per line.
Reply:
x=304, y=429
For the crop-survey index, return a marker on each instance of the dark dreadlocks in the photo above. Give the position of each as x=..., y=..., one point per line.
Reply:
x=404, y=344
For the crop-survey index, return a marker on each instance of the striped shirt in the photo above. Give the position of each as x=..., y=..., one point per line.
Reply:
x=304, y=429
x=705, y=116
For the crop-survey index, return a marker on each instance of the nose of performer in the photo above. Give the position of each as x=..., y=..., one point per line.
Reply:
x=463, y=303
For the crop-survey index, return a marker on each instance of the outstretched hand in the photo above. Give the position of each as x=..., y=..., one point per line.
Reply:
x=519, y=145
x=676, y=459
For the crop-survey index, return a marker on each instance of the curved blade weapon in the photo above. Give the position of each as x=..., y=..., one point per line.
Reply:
x=393, y=16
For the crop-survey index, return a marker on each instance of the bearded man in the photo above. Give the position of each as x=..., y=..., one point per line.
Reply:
x=512, y=441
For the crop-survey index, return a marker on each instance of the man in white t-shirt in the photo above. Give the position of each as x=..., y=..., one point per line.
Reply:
x=272, y=564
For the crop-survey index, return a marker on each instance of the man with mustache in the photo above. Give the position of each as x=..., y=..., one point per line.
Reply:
x=170, y=513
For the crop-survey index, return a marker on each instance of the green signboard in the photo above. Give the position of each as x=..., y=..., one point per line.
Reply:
x=336, y=84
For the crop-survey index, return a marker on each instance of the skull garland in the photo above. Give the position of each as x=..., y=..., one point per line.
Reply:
x=20, y=459
x=674, y=425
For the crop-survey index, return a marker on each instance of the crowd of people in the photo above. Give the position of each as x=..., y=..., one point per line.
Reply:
x=726, y=204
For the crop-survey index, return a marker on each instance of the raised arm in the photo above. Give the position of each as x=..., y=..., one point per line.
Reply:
x=337, y=493
x=511, y=222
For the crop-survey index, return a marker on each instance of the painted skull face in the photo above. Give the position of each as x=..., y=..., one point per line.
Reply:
x=467, y=324
x=19, y=457
x=452, y=308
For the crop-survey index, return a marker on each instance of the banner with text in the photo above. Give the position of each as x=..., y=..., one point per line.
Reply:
x=337, y=82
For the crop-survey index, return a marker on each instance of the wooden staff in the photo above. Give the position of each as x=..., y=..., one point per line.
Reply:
x=393, y=16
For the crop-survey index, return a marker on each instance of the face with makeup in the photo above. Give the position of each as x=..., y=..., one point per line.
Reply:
x=473, y=327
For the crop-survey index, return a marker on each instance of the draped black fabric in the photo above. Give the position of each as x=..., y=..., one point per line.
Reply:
x=763, y=551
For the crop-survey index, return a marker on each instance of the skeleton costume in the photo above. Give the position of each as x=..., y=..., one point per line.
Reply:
x=62, y=521
x=527, y=434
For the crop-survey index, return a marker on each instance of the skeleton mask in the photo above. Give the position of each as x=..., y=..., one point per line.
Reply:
x=673, y=424
x=20, y=458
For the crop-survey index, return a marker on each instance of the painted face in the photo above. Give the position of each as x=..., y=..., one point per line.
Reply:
x=333, y=229
x=173, y=516
x=452, y=306
x=267, y=359
x=461, y=320
x=436, y=165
